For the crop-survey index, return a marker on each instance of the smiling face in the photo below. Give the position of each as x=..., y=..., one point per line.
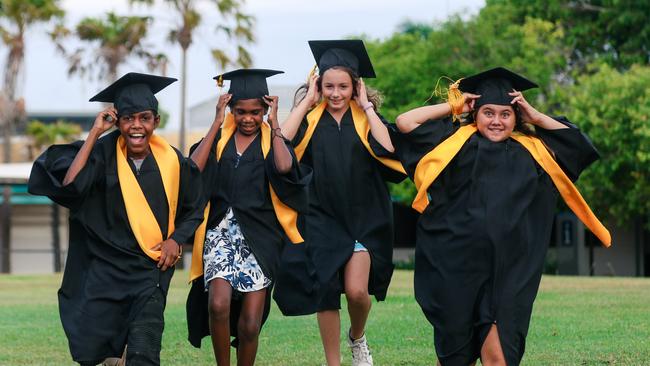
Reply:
x=337, y=88
x=137, y=128
x=495, y=122
x=249, y=114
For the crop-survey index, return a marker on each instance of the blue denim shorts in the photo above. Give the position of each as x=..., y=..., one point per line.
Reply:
x=358, y=247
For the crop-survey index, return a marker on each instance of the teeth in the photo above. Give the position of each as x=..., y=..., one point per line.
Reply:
x=137, y=135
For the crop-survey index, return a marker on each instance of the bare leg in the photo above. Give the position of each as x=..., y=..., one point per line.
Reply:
x=248, y=326
x=220, y=293
x=329, y=324
x=357, y=271
x=491, y=351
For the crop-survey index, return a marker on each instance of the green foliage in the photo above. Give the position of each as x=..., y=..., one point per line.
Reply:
x=114, y=30
x=614, y=31
x=164, y=117
x=22, y=13
x=45, y=135
x=410, y=64
x=613, y=108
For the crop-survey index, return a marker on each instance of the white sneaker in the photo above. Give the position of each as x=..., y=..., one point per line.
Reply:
x=360, y=351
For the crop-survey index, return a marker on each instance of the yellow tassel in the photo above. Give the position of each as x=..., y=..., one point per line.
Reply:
x=451, y=95
x=220, y=81
x=456, y=100
x=312, y=72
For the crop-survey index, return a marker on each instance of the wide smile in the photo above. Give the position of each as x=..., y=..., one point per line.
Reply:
x=496, y=129
x=137, y=139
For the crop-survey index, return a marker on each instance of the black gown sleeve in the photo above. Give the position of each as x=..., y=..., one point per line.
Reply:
x=291, y=187
x=300, y=134
x=189, y=213
x=411, y=147
x=49, y=169
x=387, y=173
x=376, y=146
x=572, y=148
x=210, y=174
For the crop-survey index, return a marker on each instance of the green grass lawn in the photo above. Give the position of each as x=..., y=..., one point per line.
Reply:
x=576, y=321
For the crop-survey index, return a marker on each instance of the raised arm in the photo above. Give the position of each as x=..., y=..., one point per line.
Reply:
x=281, y=155
x=408, y=121
x=202, y=152
x=377, y=128
x=103, y=122
x=292, y=123
x=531, y=115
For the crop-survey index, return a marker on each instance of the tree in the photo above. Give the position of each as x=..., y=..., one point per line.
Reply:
x=44, y=135
x=613, y=108
x=16, y=16
x=117, y=38
x=238, y=30
x=614, y=31
x=410, y=63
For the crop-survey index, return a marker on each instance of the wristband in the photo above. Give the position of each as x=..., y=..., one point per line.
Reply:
x=277, y=132
x=367, y=106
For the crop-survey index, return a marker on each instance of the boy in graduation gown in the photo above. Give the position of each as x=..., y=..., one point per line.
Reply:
x=487, y=192
x=349, y=227
x=133, y=201
x=254, y=187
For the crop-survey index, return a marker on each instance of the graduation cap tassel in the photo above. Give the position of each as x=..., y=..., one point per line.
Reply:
x=451, y=95
x=220, y=82
x=312, y=72
x=456, y=100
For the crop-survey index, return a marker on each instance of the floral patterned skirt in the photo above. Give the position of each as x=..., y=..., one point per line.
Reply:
x=227, y=256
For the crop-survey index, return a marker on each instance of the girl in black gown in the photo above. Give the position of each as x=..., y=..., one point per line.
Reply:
x=253, y=184
x=348, y=230
x=487, y=193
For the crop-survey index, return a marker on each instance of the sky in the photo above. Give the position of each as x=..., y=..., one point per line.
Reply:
x=282, y=30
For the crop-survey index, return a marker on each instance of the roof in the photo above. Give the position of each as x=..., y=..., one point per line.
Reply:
x=15, y=173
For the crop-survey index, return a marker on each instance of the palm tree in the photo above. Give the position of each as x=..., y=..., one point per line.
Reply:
x=16, y=16
x=117, y=38
x=237, y=27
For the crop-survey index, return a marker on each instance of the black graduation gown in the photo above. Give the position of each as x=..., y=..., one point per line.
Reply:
x=482, y=240
x=243, y=184
x=348, y=201
x=107, y=277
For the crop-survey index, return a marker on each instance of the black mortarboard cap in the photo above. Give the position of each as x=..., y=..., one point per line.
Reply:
x=248, y=83
x=348, y=53
x=494, y=85
x=133, y=92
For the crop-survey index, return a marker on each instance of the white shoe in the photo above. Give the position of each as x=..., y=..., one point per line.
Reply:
x=360, y=351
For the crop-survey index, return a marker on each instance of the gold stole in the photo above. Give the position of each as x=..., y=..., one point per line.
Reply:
x=287, y=217
x=432, y=164
x=141, y=219
x=360, y=125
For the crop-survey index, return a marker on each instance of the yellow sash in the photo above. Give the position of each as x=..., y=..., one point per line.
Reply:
x=432, y=164
x=360, y=125
x=141, y=219
x=287, y=217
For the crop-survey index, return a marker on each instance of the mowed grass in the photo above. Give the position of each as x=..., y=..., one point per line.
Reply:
x=576, y=321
